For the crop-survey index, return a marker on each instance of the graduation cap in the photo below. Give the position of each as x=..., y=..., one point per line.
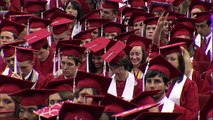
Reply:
x=116, y=105
x=158, y=116
x=83, y=35
x=156, y=6
x=202, y=5
x=99, y=82
x=30, y=97
x=19, y=17
x=9, y=49
x=168, y=49
x=145, y=98
x=24, y=54
x=10, y=85
x=176, y=3
x=94, y=14
x=134, y=111
x=110, y=4
x=58, y=15
x=96, y=98
x=136, y=3
x=135, y=40
x=71, y=50
x=38, y=39
x=61, y=25
x=127, y=11
x=187, y=21
x=35, y=22
x=110, y=27
x=151, y=21
x=70, y=111
x=162, y=65
x=51, y=111
x=173, y=15
x=181, y=29
x=97, y=44
x=71, y=42
x=48, y=13
x=125, y=35
x=202, y=16
x=96, y=23
x=10, y=26
x=60, y=85
x=32, y=6
x=138, y=17
x=188, y=42
x=116, y=53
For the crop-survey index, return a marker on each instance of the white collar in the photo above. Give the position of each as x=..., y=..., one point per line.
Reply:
x=28, y=75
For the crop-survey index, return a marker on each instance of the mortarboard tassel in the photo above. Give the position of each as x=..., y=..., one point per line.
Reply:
x=59, y=59
x=54, y=64
x=87, y=60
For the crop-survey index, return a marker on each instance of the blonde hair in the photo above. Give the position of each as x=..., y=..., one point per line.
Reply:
x=188, y=62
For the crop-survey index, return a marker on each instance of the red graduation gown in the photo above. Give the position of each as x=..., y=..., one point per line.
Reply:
x=207, y=85
x=45, y=67
x=189, y=97
x=2, y=64
x=120, y=88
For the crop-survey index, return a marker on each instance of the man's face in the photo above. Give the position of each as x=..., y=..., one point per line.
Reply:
x=26, y=112
x=25, y=67
x=63, y=36
x=118, y=71
x=68, y=66
x=108, y=14
x=42, y=54
x=140, y=27
x=156, y=83
x=6, y=37
x=10, y=62
x=150, y=31
x=203, y=28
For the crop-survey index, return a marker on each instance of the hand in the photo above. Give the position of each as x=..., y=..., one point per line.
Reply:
x=15, y=75
x=162, y=19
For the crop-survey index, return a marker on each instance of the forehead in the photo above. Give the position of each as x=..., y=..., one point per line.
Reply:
x=106, y=10
x=25, y=63
x=67, y=58
x=86, y=90
x=9, y=58
x=8, y=33
x=151, y=26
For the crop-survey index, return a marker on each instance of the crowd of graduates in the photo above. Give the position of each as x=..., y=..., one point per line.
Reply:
x=106, y=59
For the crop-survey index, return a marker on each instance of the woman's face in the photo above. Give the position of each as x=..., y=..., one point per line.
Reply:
x=98, y=61
x=54, y=98
x=136, y=56
x=71, y=10
x=80, y=98
x=6, y=103
x=173, y=59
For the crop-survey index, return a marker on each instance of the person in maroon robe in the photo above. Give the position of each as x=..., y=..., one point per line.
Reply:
x=203, y=41
x=70, y=60
x=123, y=82
x=183, y=91
x=25, y=61
x=44, y=55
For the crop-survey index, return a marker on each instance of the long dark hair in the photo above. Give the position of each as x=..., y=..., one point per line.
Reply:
x=77, y=6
